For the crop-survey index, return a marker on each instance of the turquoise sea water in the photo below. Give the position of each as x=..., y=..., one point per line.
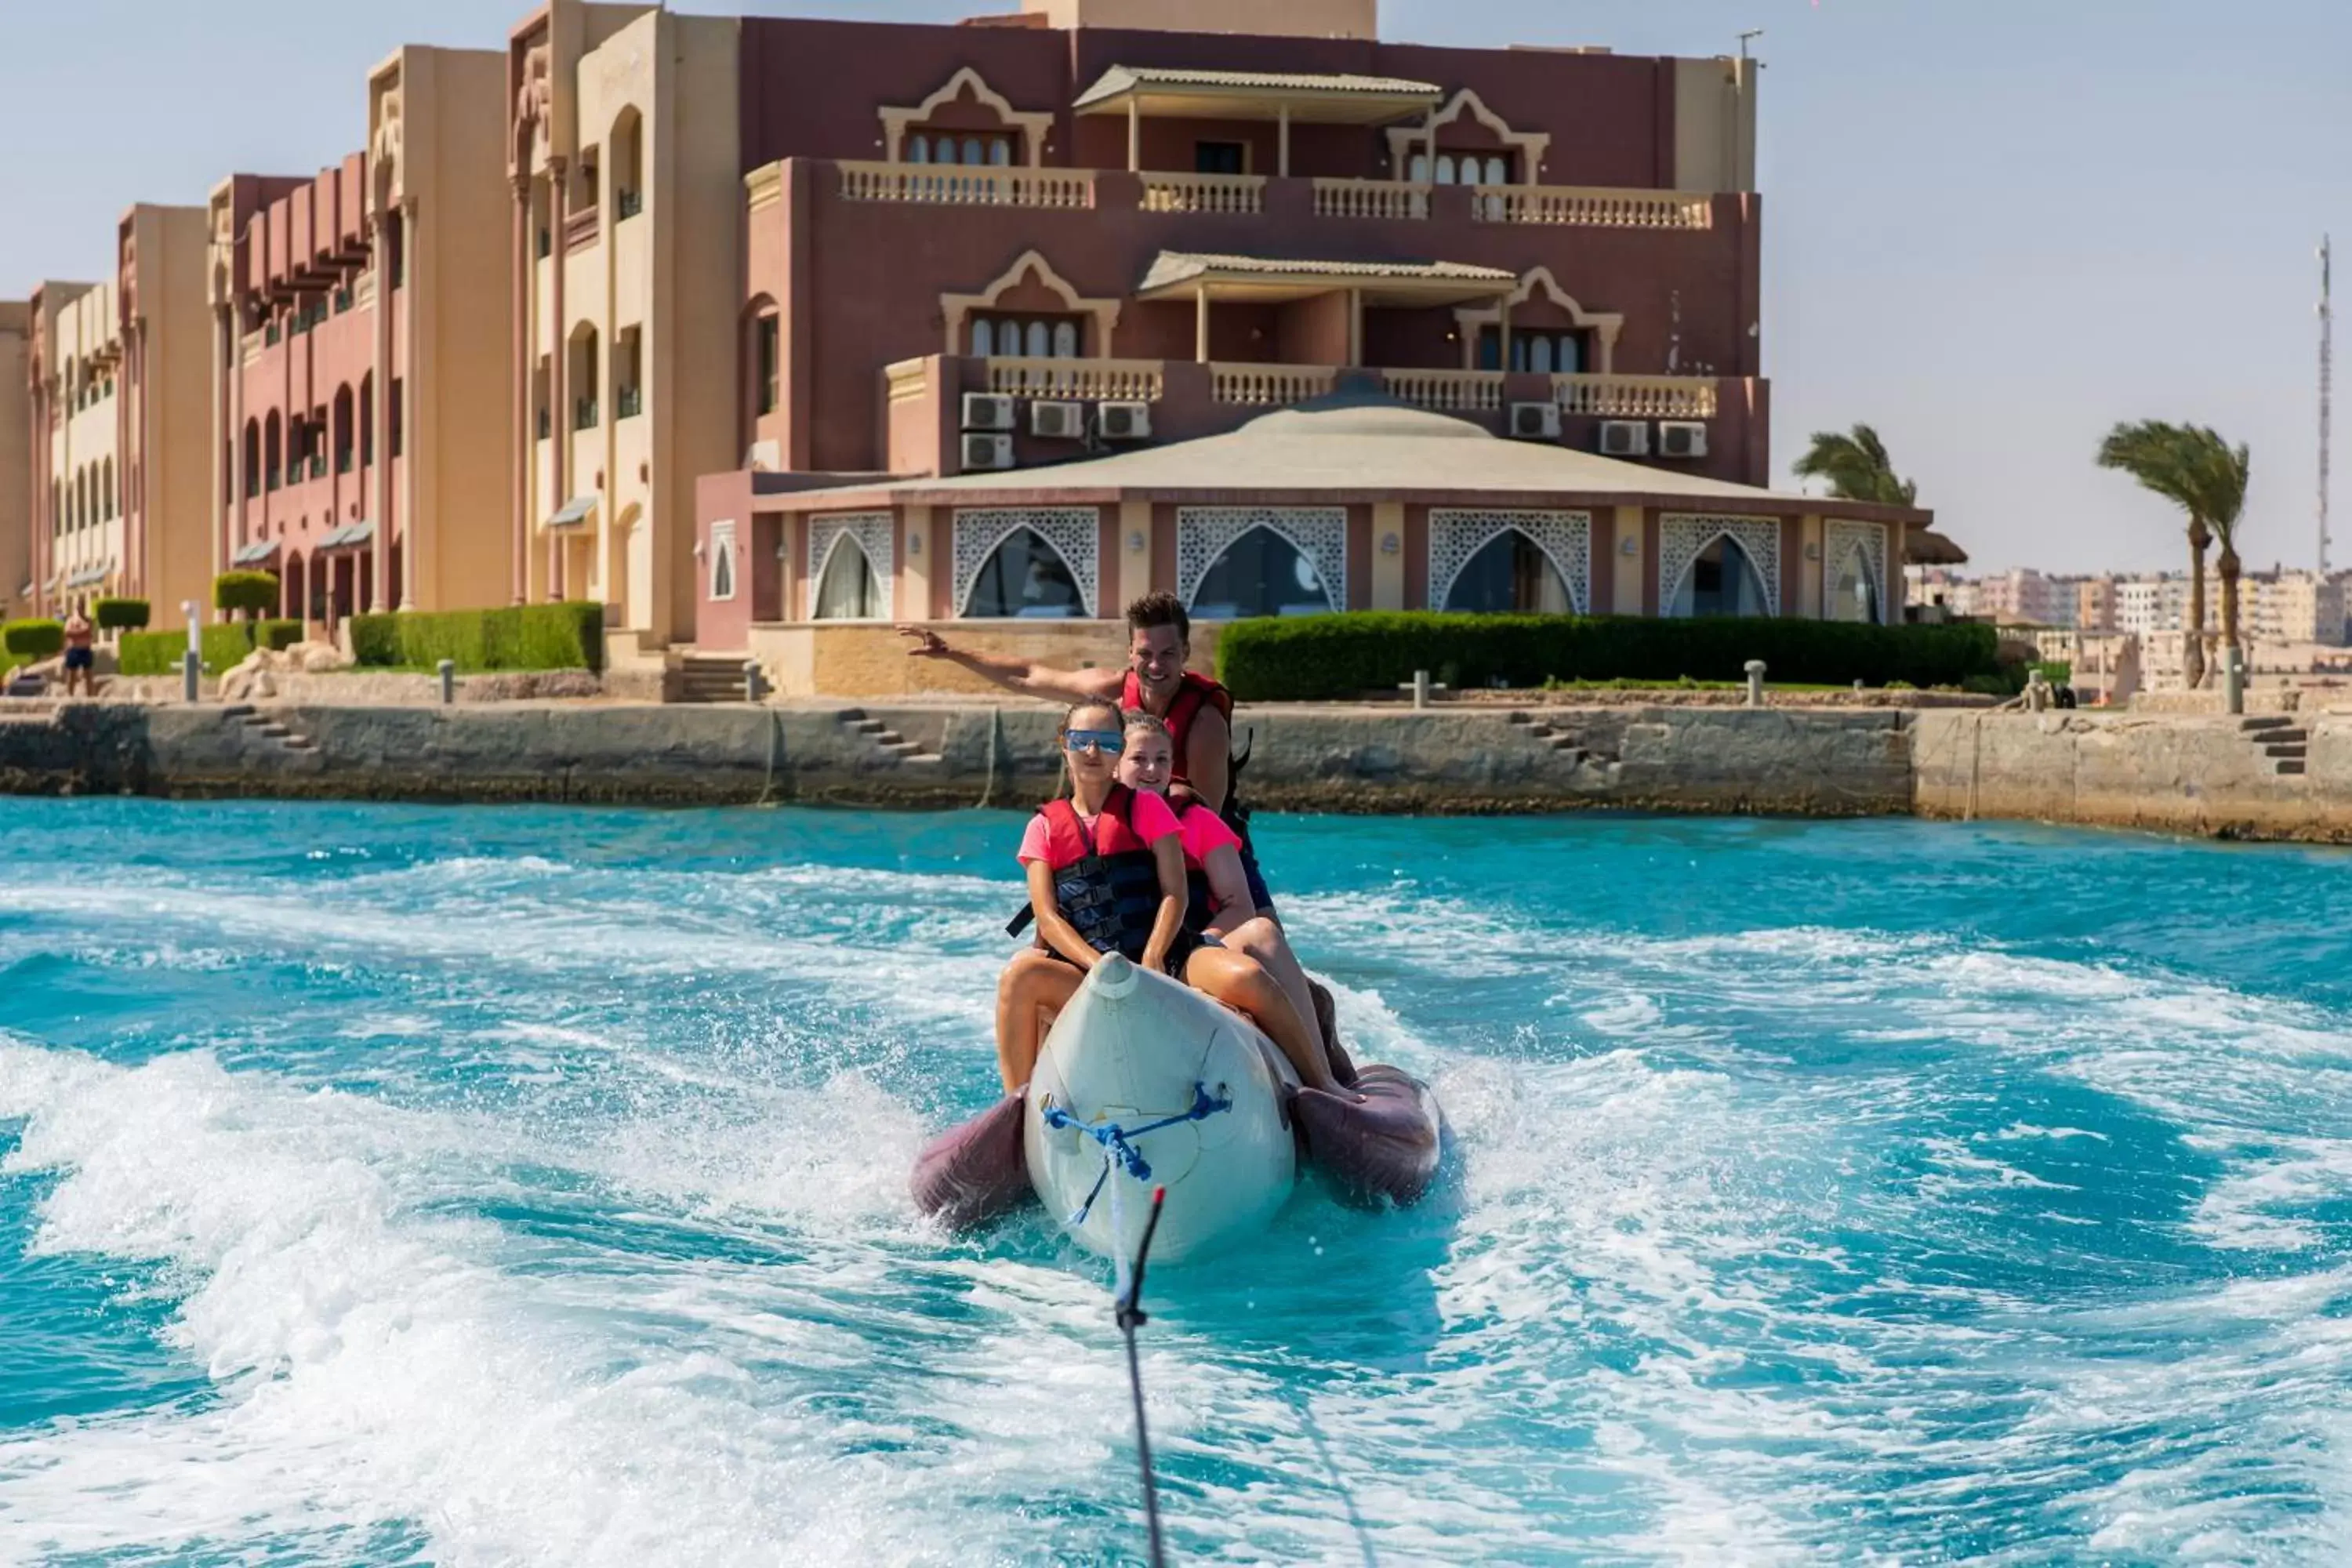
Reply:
x=389, y=1186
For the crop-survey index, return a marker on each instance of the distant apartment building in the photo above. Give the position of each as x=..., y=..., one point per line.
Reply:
x=2095, y=605
x=120, y=418
x=366, y=449
x=2295, y=607
x=2024, y=597
x=17, y=447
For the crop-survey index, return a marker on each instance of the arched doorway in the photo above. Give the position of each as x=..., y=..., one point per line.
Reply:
x=1510, y=575
x=1261, y=574
x=1024, y=578
x=1721, y=579
x=848, y=588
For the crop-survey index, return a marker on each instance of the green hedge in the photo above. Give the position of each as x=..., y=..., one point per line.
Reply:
x=1324, y=658
x=224, y=646
x=32, y=641
x=255, y=592
x=569, y=636
x=119, y=614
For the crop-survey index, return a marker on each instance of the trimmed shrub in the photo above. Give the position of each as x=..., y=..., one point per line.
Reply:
x=254, y=592
x=119, y=614
x=32, y=641
x=150, y=653
x=1328, y=657
x=569, y=636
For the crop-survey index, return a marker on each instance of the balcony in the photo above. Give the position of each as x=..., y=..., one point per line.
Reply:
x=1580, y=207
x=1371, y=198
x=937, y=185
x=318, y=465
x=584, y=416
x=581, y=229
x=628, y=401
x=1078, y=380
x=1240, y=193
x=626, y=205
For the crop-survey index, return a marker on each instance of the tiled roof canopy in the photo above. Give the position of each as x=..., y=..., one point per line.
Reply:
x=1163, y=90
x=1178, y=274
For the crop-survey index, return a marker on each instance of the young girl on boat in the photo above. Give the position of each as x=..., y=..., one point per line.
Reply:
x=1106, y=870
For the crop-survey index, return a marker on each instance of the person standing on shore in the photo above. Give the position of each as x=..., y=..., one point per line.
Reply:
x=1197, y=711
x=81, y=659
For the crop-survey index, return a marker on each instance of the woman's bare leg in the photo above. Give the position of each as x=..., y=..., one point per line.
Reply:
x=1033, y=988
x=1239, y=982
x=1260, y=939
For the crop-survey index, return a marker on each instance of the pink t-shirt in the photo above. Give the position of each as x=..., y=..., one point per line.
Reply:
x=1149, y=816
x=1204, y=834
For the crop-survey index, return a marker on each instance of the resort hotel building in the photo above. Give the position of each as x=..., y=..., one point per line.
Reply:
x=763, y=332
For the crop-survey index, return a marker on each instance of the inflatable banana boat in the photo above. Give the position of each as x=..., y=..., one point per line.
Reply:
x=1144, y=1082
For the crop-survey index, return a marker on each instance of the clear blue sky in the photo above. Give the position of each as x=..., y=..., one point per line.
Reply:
x=1992, y=227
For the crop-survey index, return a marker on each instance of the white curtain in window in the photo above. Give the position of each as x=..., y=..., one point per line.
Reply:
x=1000, y=152
x=1066, y=339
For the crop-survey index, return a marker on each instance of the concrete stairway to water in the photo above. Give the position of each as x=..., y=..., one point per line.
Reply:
x=1571, y=746
x=268, y=727
x=2287, y=746
x=885, y=739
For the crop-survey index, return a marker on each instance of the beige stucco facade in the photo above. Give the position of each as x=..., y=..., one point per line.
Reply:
x=437, y=129
x=626, y=205
x=16, y=460
x=79, y=351
x=164, y=468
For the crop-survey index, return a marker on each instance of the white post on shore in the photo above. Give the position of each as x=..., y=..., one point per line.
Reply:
x=1756, y=683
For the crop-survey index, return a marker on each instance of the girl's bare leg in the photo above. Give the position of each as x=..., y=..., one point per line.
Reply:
x=1260, y=939
x=1239, y=982
x=1033, y=988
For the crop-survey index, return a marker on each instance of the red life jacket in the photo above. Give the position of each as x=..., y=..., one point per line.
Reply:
x=1195, y=693
x=1106, y=881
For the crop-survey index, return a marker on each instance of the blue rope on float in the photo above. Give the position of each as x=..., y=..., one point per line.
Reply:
x=1118, y=1143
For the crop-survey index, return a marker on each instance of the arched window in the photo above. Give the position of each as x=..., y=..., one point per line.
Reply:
x=367, y=419
x=583, y=375
x=345, y=451
x=1499, y=171
x=1539, y=356
x=272, y=449
x=1510, y=576
x=1261, y=574
x=983, y=337
x=627, y=142
x=1420, y=175
x=1024, y=579
x=1039, y=343
x=1066, y=339
x=944, y=150
x=1721, y=582
x=1000, y=151
x=106, y=490
x=722, y=561
x=1855, y=598
x=1445, y=168
x=848, y=589
x=918, y=149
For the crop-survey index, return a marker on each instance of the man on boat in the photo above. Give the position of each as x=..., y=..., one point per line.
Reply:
x=1197, y=711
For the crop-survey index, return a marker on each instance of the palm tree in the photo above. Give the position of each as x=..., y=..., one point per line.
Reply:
x=2192, y=467
x=1856, y=467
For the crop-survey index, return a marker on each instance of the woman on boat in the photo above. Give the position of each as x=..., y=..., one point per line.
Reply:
x=1106, y=870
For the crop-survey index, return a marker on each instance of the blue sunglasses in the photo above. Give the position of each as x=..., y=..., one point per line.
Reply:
x=1109, y=743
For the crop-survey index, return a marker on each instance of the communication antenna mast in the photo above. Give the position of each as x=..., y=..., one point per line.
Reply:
x=2326, y=387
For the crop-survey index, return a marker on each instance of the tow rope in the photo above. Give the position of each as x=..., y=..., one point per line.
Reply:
x=1118, y=1141
x=1132, y=1316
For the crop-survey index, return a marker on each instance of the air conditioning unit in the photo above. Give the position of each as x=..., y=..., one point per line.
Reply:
x=987, y=451
x=1682, y=438
x=1535, y=421
x=1123, y=421
x=1624, y=439
x=1058, y=421
x=989, y=411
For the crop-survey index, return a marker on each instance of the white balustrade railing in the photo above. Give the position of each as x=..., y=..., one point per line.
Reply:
x=1203, y=193
x=1447, y=390
x=1270, y=384
x=1081, y=380
x=1636, y=396
x=1580, y=207
x=1370, y=198
x=966, y=184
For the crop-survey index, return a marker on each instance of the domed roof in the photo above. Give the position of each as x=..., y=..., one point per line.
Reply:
x=1363, y=414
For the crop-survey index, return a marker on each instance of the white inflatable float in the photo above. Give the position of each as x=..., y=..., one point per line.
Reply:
x=1142, y=1083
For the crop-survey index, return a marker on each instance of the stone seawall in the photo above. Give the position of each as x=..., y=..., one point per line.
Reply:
x=944, y=754
x=2208, y=776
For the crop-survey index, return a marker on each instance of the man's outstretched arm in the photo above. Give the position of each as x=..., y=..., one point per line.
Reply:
x=1020, y=675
